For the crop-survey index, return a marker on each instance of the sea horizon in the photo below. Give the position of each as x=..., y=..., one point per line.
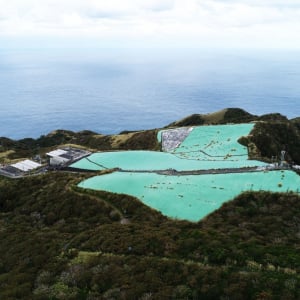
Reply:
x=112, y=90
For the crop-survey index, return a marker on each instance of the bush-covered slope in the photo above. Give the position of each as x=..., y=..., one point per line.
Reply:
x=146, y=140
x=270, y=138
x=61, y=242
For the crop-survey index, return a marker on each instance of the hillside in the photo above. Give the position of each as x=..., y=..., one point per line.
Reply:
x=269, y=138
x=228, y=115
x=59, y=242
x=11, y=149
x=272, y=133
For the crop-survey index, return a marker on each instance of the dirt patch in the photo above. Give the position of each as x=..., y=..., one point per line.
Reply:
x=4, y=155
x=118, y=140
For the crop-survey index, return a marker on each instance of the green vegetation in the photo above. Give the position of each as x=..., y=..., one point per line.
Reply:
x=62, y=242
x=270, y=138
x=145, y=140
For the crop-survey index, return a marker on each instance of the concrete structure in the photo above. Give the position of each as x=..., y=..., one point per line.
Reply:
x=65, y=156
x=57, y=157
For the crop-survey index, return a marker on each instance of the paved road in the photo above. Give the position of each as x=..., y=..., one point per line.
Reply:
x=173, y=172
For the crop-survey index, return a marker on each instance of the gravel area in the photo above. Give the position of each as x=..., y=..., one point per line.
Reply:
x=172, y=138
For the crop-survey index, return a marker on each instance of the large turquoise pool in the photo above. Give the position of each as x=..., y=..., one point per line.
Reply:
x=214, y=142
x=191, y=197
x=205, y=147
x=152, y=160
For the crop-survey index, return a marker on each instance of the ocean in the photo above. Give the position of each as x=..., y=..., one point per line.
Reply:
x=111, y=90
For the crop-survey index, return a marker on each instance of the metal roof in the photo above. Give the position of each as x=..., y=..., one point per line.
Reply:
x=57, y=152
x=26, y=165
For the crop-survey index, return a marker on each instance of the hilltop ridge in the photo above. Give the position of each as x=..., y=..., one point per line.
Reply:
x=272, y=133
x=228, y=115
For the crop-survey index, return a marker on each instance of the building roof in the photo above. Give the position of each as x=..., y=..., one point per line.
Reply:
x=26, y=165
x=57, y=152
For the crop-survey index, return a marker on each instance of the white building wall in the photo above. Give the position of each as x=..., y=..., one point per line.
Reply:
x=58, y=160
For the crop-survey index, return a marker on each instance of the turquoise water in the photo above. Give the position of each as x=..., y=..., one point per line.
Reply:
x=191, y=197
x=151, y=160
x=206, y=147
x=217, y=141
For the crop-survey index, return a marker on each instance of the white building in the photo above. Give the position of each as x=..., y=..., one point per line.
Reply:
x=58, y=157
x=63, y=157
x=26, y=165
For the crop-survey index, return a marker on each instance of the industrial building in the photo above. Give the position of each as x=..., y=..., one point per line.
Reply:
x=26, y=165
x=20, y=168
x=65, y=156
x=58, y=158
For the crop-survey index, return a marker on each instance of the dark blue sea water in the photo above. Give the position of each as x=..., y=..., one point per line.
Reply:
x=108, y=90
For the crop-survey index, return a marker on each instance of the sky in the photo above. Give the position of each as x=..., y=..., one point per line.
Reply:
x=152, y=23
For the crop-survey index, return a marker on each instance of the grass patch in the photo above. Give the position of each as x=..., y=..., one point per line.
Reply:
x=84, y=256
